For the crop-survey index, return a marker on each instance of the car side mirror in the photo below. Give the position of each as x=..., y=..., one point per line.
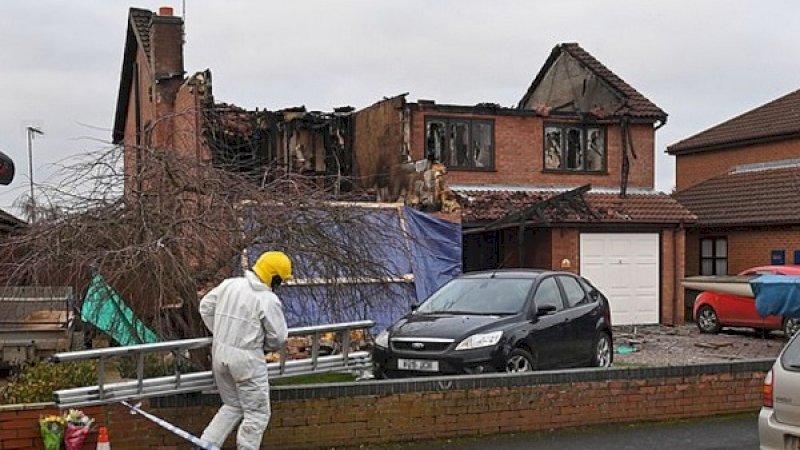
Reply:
x=545, y=310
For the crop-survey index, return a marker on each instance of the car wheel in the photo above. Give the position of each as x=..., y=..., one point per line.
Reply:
x=520, y=360
x=790, y=327
x=603, y=353
x=707, y=320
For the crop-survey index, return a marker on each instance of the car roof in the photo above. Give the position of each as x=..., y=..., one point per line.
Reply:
x=511, y=273
x=786, y=269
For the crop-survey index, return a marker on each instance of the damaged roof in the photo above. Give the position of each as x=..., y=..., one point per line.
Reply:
x=637, y=105
x=749, y=195
x=480, y=206
x=776, y=120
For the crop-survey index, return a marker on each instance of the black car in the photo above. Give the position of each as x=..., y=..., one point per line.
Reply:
x=500, y=321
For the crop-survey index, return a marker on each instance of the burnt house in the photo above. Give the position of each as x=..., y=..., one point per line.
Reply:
x=562, y=180
x=159, y=107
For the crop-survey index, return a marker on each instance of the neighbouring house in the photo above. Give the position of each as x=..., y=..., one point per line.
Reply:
x=770, y=132
x=9, y=223
x=741, y=179
x=564, y=180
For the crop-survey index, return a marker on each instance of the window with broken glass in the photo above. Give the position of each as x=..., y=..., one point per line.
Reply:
x=460, y=143
x=714, y=256
x=574, y=148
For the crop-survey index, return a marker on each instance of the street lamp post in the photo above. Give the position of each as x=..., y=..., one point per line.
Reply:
x=32, y=131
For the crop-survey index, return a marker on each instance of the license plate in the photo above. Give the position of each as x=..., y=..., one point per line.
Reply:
x=422, y=365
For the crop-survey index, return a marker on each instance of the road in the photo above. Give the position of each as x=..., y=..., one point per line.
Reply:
x=738, y=432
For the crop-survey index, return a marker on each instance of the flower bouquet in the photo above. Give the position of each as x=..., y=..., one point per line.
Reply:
x=78, y=425
x=52, y=429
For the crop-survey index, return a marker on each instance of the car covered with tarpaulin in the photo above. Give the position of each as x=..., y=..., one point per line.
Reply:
x=777, y=295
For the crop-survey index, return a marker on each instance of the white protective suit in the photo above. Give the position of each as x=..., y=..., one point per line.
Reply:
x=246, y=319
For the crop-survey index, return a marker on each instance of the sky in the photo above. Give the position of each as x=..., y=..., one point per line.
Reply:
x=702, y=61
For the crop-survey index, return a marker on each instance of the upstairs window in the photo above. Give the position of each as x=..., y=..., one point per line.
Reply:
x=574, y=148
x=460, y=143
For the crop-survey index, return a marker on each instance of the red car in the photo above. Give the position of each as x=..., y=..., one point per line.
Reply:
x=713, y=310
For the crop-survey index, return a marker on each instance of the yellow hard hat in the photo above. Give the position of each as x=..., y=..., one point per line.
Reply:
x=270, y=264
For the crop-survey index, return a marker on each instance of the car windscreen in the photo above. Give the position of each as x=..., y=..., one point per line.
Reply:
x=479, y=296
x=790, y=360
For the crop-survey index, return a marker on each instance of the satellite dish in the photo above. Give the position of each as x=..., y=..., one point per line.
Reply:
x=6, y=169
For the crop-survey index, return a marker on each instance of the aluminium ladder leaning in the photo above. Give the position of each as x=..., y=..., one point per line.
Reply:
x=106, y=392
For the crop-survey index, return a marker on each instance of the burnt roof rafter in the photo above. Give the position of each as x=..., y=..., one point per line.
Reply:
x=571, y=201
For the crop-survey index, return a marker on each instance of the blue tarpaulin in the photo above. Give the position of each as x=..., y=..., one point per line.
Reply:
x=777, y=294
x=419, y=252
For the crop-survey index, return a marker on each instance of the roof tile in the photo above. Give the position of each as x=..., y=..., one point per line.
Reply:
x=141, y=20
x=485, y=206
x=776, y=119
x=757, y=197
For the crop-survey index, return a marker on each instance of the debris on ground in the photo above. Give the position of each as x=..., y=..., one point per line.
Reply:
x=658, y=345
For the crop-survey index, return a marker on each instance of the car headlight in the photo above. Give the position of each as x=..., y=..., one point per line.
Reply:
x=382, y=340
x=480, y=340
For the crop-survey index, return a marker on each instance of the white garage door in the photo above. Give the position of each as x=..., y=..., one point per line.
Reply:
x=624, y=266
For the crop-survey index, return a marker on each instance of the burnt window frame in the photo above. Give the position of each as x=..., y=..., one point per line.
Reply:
x=714, y=258
x=448, y=120
x=584, y=129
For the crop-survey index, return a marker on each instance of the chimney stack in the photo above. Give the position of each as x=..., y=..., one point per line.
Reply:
x=166, y=44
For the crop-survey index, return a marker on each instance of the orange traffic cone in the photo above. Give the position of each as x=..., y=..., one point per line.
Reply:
x=102, y=439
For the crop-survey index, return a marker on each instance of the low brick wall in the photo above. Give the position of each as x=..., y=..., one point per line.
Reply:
x=366, y=412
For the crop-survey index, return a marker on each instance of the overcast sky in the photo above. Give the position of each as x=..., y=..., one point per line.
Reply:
x=703, y=62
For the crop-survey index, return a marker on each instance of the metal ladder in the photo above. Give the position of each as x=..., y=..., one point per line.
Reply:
x=112, y=392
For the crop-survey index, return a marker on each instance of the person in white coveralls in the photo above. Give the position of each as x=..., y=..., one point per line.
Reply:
x=246, y=319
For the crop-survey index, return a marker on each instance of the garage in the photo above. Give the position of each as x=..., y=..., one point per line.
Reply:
x=625, y=267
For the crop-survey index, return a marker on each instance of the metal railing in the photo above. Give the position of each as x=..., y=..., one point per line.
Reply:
x=180, y=383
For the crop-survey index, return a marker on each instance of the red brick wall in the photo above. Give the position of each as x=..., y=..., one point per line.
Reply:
x=519, y=159
x=672, y=271
x=188, y=140
x=693, y=168
x=168, y=110
x=566, y=245
x=747, y=247
x=166, y=45
x=378, y=144
x=394, y=411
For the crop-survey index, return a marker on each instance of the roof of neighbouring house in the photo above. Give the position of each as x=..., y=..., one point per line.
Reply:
x=8, y=222
x=776, y=120
x=637, y=104
x=748, y=195
x=480, y=206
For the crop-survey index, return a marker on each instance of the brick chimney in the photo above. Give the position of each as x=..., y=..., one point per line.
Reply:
x=166, y=45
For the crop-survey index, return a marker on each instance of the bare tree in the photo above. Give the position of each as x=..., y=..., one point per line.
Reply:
x=185, y=229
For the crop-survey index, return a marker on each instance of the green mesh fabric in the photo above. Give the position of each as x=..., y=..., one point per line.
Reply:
x=105, y=309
